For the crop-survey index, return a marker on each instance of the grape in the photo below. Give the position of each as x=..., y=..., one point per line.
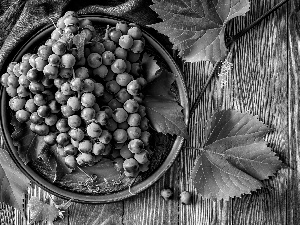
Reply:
x=54, y=60
x=142, y=81
x=63, y=139
x=26, y=57
x=54, y=106
x=134, y=119
x=115, y=34
x=49, y=42
x=39, y=100
x=136, y=69
x=22, y=115
x=44, y=111
x=126, y=41
x=11, y=67
x=111, y=124
x=144, y=167
x=59, y=48
x=118, y=66
x=119, y=164
x=80, y=62
x=44, y=52
x=85, y=146
x=115, y=154
x=65, y=73
x=70, y=161
x=141, y=157
x=120, y=115
x=70, y=13
x=82, y=73
x=4, y=79
x=67, y=111
x=114, y=104
x=74, y=103
x=76, y=134
x=101, y=117
x=66, y=89
x=88, y=34
x=33, y=75
x=120, y=135
x=88, y=99
x=84, y=159
x=145, y=137
x=74, y=121
x=50, y=71
x=76, y=84
x=120, y=53
x=71, y=29
x=110, y=75
x=108, y=110
x=68, y=60
x=100, y=71
x=134, y=87
x=62, y=125
x=108, y=58
x=70, y=149
x=51, y=120
x=94, y=60
x=24, y=67
x=122, y=26
x=58, y=82
x=56, y=34
x=131, y=106
x=98, y=89
x=32, y=60
x=144, y=125
x=41, y=129
x=125, y=153
x=84, y=22
x=122, y=96
x=112, y=86
x=60, y=151
x=50, y=139
x=138, y=46
x=96, y=107
x=17, y=103
x=119, y=145
x=135, y=32
x=133, y=57
x=97, y=47
x=106, y=97
x=16, y=70
x=88, y=85
x=88, y=114
x=13, y=81
x=134, y=132
x=40, y=63
x=94, y=130
x=71, y=20
x=48, y=83
x=123, y=125
x=131, y=165
x=123, y=79
x=11, y=91
x=23, y=91
x=98, y=148
x=36, y=119
x=30, y=106
x=135, y=146
x=128, y=66
x=109, y=45
x=105, y=137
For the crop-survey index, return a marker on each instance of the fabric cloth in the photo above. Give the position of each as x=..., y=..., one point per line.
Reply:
x=21, y=18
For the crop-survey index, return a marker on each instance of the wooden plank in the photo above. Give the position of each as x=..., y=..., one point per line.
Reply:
x=95, y=214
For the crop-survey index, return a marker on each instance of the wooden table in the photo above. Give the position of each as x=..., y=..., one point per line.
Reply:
x=264, y=81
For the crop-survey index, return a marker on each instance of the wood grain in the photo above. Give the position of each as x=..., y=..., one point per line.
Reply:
x=264, y=81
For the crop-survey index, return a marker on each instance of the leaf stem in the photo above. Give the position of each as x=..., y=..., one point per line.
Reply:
x=256, y=22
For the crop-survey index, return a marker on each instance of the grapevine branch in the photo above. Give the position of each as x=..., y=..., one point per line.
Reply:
x=229, y=44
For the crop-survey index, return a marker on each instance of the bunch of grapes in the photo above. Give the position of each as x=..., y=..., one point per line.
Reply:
x=84, y=96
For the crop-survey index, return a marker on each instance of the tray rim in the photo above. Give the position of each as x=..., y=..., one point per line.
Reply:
x=121, y=195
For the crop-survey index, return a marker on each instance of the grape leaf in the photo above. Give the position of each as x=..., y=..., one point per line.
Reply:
x=14, y=183
x=42, y=211
x=29, y=145
x=235, y=158
x=163, y=111
x=196, y=27
x=150, y=67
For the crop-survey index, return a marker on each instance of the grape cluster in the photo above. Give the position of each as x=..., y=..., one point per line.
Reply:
x=89, y=105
